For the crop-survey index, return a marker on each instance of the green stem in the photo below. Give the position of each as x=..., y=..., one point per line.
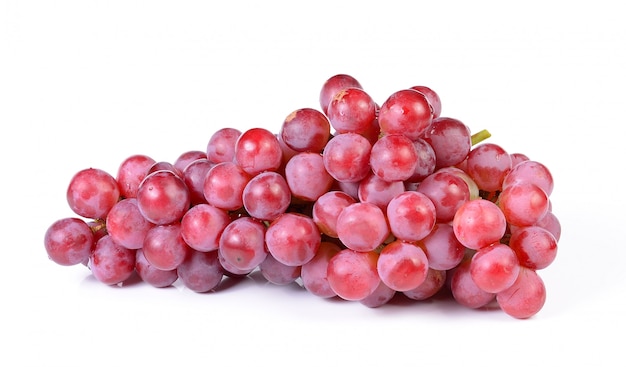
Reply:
x=480, y=136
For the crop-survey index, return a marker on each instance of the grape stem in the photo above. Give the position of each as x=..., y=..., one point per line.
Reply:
x=480, y=136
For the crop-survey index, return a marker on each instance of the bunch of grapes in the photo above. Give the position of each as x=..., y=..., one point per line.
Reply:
x=355, y=200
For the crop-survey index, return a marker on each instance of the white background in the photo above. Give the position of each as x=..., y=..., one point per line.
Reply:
x=87, y=83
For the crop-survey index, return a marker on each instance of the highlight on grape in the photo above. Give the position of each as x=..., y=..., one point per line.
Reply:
x=355, y=200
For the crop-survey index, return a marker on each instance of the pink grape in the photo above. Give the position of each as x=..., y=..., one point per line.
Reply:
x=451, y=140
x=517, y=158
x=92, y=192
x=224, y=185
x=307, y=177
x=305, y=130
x=523, y=204
x=266, y=196
x=442, y=248
x=327, y=208
x=150, y=274
x=221, y=145
x=362, y=226
x=530, y=172
x=381, y=295
x=434, y=282
x=447, y=191
x=534, y=246
x=293, y=239
x=352, y=275
x=163, y=197
x=242, y=244
x=551, y=223
x=334, y=85
x=526, y=297
x=373, y=189
x=257, y=150
x=314, y=272
x=185, y=158
x=164, y=246
x=111, y=263
x=426, y=161
x=488, y=164
x=202, y=226
x=126, y=225
x=411, y=216
x=278, y=273
x=464, y=289
x=347, y=157
x=406, y=112
x=351, y=110
x=402, y=265
x=479, y=223
x=131, y=172
x=433, y=98
x=69, y=241
x=201, y=271
x=164, y=166
x=194, y=175
x=393, y=158
x=494, y=268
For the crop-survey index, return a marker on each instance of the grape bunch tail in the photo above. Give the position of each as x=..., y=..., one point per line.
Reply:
x=354, y=200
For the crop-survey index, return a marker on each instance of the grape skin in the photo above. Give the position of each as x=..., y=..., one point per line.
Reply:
x=411, y=216
x=111, y=263
x=126, y=225
x=362, y=226
x=525, y=297
x=92, y=192
x=479, y=223
x=221, y=145
x=402, y=266
x=69, y=241
x=405, y=112
x=352, y=274
x=347, y=157
x=293, y=239
x=163, y=197
x=131, y=172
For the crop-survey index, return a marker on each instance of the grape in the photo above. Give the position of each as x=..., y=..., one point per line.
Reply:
x=185, y=158
x=525, y=297
x=334, y=85
x=201, y=271
x=266, y=196
x=523, y=204
x=534, y=246
x=447, y=191
x=450, y=139
x=473, y=188
x=351, y=110
x=150, y=274
x=494, y=268
x=402, y=266
x=224, y=185
x=406, y=112
x=164, y=166
x=131, y=172
x=426, y=161
x=379, y=192
x=352, y=275
x=442, y=248
x=92, y=192
x=258, y=150
x=314, y=272
x=126, y=225
x=347, y=157
x=479, y=223
x=433, y=98
x=517, y=158
x=362, y=226
x=488, y=164
x=164, y=246
x=221, y=145
x=293, y=239
x=381, y=295
x=194, y=175
x=393, y=158
x=202, y=226
x=111, y=263
x=305, y=130
x=551, y=223
x=163, y=197
x=242, y=244
x=411, y=216
x=434, y=282
x=307, y=177
x=530, y=172
x=69, y=241
x=464, y=289
x=327, y=208
x=278, y=273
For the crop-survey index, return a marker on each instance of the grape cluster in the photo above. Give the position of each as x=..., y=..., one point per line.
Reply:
x=354, y=200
